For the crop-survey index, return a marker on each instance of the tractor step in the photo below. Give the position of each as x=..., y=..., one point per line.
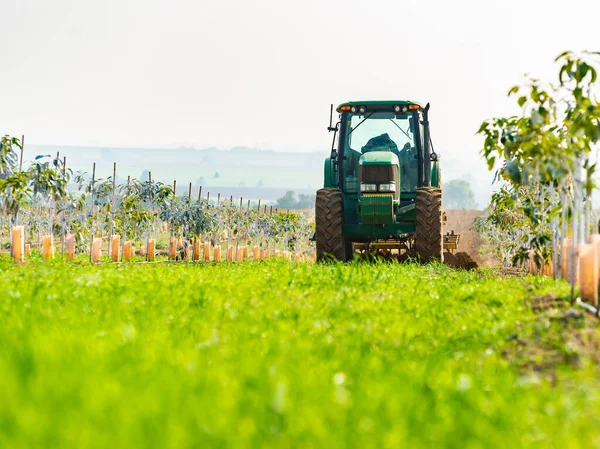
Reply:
x=380, y=245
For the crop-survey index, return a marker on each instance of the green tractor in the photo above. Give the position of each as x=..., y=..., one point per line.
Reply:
x=382, y=190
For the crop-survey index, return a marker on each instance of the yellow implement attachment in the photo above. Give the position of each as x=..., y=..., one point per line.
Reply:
x=451, y=241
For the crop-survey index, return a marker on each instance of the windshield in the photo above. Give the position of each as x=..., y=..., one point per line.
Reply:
x=381, y=131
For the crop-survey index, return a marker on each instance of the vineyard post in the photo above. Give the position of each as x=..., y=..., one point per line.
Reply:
x=92, y=226
x=274, y=245
x=123, y=223
x=112, y=208
x=148, y=229
x=246, y=231
x=53, y=203
x=172, y=252
x=237, y=237
x=199, y=193
x=258, y=231
x=186, y=235
x=21, y=156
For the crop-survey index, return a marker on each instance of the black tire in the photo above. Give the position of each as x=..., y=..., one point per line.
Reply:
x=329, y=223
x=428, y=235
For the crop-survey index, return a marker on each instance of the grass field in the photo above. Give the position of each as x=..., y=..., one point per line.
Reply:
x=277, y=354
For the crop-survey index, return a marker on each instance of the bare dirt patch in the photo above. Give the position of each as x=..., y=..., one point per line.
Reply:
x=461, y=221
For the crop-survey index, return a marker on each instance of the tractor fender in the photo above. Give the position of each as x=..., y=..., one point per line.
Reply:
x=329, y=174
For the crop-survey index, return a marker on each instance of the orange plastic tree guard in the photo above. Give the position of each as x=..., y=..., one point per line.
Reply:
x=18, y=243
x=588, y=273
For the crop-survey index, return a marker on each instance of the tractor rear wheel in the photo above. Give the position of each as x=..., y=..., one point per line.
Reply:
x=329, y=223
x=428, y=235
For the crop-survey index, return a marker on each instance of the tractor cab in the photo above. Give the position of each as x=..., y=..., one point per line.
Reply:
x=384, y=174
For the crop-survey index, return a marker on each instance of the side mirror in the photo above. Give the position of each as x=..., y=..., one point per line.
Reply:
x=334, y=154
x=330, y=128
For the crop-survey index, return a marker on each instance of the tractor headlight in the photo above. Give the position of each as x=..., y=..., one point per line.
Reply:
x=368, y=188
x=391, y=187
x=362, y=109
x=353, y=109
x=396, y=109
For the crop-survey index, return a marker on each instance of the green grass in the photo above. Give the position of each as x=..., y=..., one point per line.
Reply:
x=276, y=354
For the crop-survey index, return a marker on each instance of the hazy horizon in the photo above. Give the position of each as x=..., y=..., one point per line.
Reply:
x=262, y=74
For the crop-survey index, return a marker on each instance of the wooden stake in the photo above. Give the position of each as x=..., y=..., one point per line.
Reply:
x=18, y=243
x=115, y=247
x=70, y=247
x=48, y=247
x=127, y=251
x=588, y=273
x=199, y=193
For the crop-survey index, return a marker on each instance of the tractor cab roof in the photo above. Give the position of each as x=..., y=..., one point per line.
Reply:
x=380, y=105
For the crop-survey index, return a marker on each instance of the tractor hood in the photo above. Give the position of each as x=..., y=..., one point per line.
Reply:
x=379, y=158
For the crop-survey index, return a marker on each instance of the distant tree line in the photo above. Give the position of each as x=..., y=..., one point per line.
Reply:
x=289, y=201
x=458, y=194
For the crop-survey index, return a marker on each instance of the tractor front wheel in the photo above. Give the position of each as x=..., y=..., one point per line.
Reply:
x=428, y=235
x=329, y=223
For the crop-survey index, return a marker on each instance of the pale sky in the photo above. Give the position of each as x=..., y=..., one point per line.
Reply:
x=263, y=73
